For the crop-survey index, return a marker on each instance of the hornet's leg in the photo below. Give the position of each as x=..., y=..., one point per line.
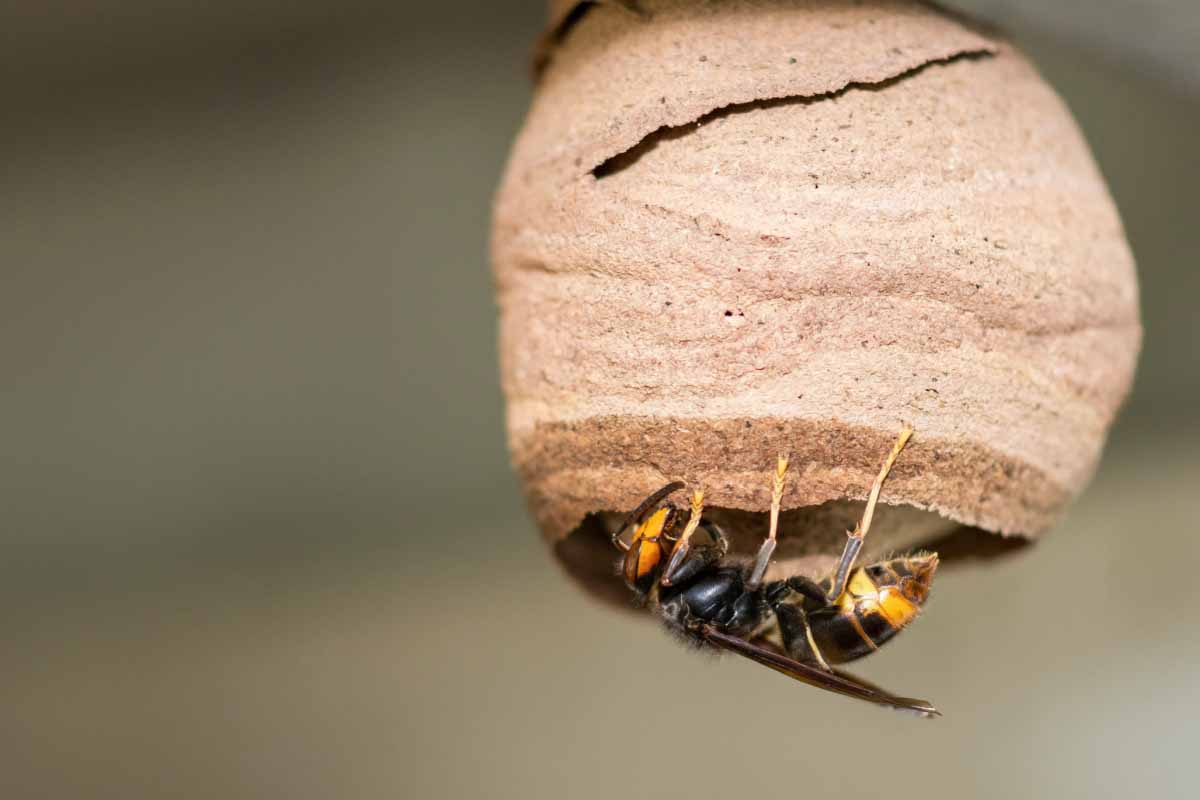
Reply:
x=793, y=624
x=683, y=544
x=686, y=562
x=768, y=547
x=854, y=538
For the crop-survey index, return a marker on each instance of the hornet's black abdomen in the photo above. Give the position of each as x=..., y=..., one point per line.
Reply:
x=878, y=602
x=848, y=635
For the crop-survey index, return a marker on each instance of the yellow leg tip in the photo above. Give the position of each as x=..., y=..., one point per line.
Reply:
x=694, y=520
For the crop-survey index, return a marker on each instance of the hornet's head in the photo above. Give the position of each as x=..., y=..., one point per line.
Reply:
x=645, y=562
x=642, y=562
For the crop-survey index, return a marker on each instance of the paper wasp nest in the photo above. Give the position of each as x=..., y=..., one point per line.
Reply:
x=733, y=230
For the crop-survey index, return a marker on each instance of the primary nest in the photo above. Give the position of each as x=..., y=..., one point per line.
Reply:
x=733, y=230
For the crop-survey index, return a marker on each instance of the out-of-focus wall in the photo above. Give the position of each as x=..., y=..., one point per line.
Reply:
x=245, y=253
x=1153, y=38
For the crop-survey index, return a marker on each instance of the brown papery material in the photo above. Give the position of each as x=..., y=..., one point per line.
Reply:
x=733, y=230
x=563, y=14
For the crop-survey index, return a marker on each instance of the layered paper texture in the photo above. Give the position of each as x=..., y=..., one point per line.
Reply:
x=733, y=230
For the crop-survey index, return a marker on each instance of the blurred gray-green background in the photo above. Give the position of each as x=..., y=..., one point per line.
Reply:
x=258, y=535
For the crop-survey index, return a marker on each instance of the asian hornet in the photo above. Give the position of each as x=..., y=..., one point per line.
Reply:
x=798, y=626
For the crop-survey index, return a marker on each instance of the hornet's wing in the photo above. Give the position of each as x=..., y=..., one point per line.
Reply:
x=832, y=681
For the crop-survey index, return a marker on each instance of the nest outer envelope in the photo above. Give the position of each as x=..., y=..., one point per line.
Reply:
x=733, y=230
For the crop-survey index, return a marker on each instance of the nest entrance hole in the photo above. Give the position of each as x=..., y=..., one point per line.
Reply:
x=810, y=540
